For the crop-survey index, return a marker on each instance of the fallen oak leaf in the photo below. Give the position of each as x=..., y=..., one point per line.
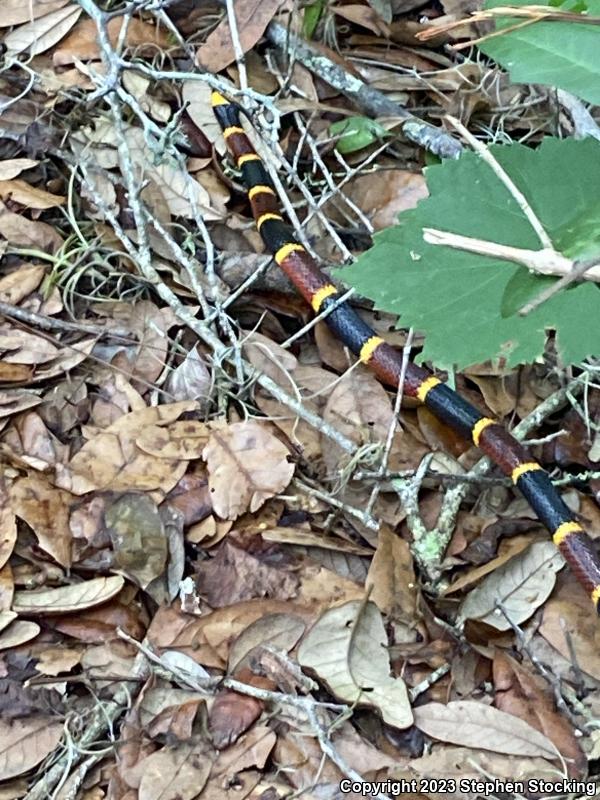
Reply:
x=113, y=460
x=184, y=440
x=26, y=742
x=41, y=34
x=247, y=465
x=29, y=196
x=476, y=725
x=19, y=632
x=16, y=12
x=520, y=585
x=64, y=599
x=347, y=650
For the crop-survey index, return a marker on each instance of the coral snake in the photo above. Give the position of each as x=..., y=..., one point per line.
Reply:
x=448, y=406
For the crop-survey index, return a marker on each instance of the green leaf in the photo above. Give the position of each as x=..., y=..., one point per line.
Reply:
x=559, y=54
x=312, y=15
x=356, y=133
x=466, y=303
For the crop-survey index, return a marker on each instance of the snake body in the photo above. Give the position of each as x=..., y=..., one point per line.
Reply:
x=453, y=410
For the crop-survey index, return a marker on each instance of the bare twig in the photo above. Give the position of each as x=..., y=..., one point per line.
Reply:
x=545, y=262
x=103, y=718
x=581, y=269
x=484, y=153
x=371, y=100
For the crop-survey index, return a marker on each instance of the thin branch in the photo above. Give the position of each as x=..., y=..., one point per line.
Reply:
x=580, y=270
x=485, y=154
x=545, y=262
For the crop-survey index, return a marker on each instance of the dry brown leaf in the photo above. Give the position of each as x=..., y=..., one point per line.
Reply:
x=521, y=586
x=455, y=763
x=46, y=510
x=270, y=358
x=574, y=632
x=176, y=773
x=232, y=713
x=67, y=358
x=7, y=587
x=43, y=33
x=29, y=348
x=364, y=16
x=252, y=17
x=100, y=624
x=55, y=660
x=11, y=167
x=281, y=631
x=82, y=42
x=181, y=440
x=30, y=442
x=307, y=538
x=191, y=379
x=175, y=189
x=392, y=578
x=473, y=724
x=321, y=588
x=359, y=407
x=520, y=693
x=315, y=385
x=236, y=574
x=112, y=460
x=252, y=750
x=138, y=537
x=23, y=232
x=149, y=325
x=8, y=524
x=207, y=639
x=382, y=201
x=347, y=650
x=26, y=742
x=304, y=437
x=6, y=617
x=300, y=758
x=246, y=465
x=29, y=196
x=509, y=548
x=196, y=96
x=18, y=284
x=15, y=373
x=65, y=599
x=138, y=85
x=16, y=12
x=20, y=632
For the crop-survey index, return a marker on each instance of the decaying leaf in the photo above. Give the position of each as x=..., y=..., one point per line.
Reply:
x=46, y=510
x=18, y=633
x=26, y=742
x=346, y=648
x=112, y=459
x=520, y=585
x=44, y=32
x=246, y=466
x=472, y=724
x=138, y=537
x=176, y=773
x=8, y=524
x=29, y=196
x=252, y=18
x=74, y=597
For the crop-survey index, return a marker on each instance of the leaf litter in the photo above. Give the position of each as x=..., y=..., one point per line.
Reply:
x=187, y=564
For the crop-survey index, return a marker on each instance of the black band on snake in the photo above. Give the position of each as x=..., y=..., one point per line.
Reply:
x=486, y=433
